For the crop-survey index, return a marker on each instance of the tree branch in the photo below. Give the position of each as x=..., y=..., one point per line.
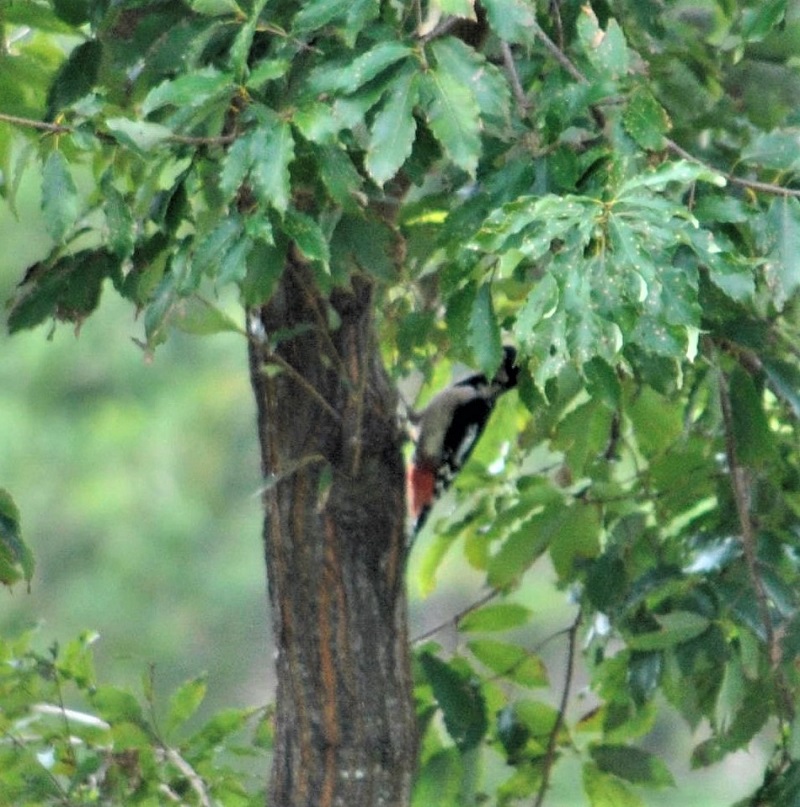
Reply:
x=740, y=485
x=454, y=620
x=552, y=743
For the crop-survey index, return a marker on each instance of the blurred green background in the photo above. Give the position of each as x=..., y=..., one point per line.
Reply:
x=138, y=484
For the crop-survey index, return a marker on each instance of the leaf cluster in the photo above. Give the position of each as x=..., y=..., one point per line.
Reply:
x=612, y=188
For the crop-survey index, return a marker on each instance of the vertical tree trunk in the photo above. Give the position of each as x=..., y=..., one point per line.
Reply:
x=334, y=543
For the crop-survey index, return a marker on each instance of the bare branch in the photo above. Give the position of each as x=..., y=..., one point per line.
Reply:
x=552, y=743
x=741, y=487
x=454, y=620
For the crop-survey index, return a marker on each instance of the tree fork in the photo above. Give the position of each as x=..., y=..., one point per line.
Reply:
x=334, y=540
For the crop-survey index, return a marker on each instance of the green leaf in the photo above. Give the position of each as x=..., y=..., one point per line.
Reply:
x=484, y=332
x=235, y=165
x=75, y=78
x=511, y=20
x=315, y=14
x=271, y=154
x=460, y=699
x=202, y=318
x=185, y=701
x=211, y=250
x=240, y=50
x=632, y=764
x=393, y=129
x=783, y=241
x=675, y=628
x=606, y=790
x=138, y=135
x=117, y=705
x=439, y=780
x=577, y=540
x=524, y=545
x=778, y=150
x=308, y=236
x=189, y=89
x=453, y=116
x=15, y=556
x=216, y=8
x=266, y=71
x=359, y=71
x=510, y=661
x=502, y=616
x=753, y=438
x=60, y=202
x=458, y=8
x=119, y=219
x=645, y=119
x=488, y=84
x=74, y=12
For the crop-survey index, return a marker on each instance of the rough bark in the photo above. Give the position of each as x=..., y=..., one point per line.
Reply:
x=334, y=545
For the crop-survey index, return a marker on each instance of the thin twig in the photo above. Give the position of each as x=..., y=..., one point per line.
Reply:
x=513, y=76
x=740, y=485
x=55, y=128
x=552, y=743
x=454, y=620
x=274, y=358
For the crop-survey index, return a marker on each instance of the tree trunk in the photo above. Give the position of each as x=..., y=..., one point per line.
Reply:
x=334, y=546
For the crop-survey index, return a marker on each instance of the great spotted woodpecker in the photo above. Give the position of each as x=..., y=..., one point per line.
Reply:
x=449, y=428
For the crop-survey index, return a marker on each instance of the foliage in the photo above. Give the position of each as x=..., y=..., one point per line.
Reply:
x=66, y=739
x=613, y=189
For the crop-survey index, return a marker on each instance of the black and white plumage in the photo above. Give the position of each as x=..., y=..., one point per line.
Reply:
x=450, y=427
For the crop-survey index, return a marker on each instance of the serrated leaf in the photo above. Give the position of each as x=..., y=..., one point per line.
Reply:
x=678, y=171
x=488, y=84
x=189, y=89
x=645, y=119
x=541, y=302
x=783, y=261
x=361, y=70
x=185, y=701
x=210, y=250
x=119, y=220
x=139, y=135
x=460, y=699
x=233, y=267
x=484, y=332
x=453, y=116
x=60, y=202
x=393, y=130
x=271, y=154
x=510, y=661
x=315, y=14
x=235, y=165
x=266, y=71
x=778, y=150
x=240, y=50
x=497, y=617
x=308, y=236
x=511, y=20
